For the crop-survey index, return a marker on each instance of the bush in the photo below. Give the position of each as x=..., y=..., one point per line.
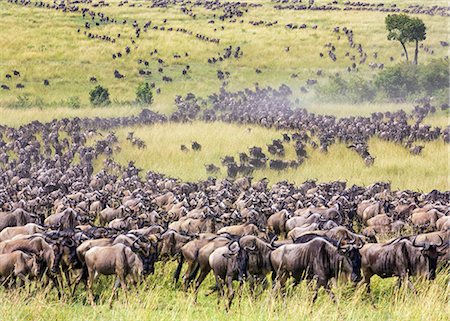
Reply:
x=73, y=102
x=99, y=96
x=407, y=80
x=399, y=81
x=144, y=94
x=354, y=89
x=434, y=76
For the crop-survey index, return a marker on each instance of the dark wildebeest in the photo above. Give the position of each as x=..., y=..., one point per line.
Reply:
x=316, y=258
x=400, y=257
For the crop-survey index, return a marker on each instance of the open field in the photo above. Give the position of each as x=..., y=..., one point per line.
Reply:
x=393, y=163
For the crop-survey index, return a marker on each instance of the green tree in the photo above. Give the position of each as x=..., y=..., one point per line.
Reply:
x=395, y=24
x=404, y=29
x=416, y=31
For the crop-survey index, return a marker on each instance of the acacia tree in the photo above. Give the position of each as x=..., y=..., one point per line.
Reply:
x=404, y=29
x=416, y=31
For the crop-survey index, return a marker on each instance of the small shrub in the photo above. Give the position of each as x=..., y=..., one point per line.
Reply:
x=73, y=102
x=23, y=101
x=144, y=94
x=99, y=96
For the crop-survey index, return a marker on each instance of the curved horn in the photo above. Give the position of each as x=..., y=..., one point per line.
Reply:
x=442, y=241
x=414, y=242
x=250, y=249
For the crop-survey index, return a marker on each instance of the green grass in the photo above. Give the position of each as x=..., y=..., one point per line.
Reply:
x=161, y=301
x=45, y=44
x=393, y=162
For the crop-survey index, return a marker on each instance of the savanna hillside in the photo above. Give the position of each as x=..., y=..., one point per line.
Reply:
x=261, y=42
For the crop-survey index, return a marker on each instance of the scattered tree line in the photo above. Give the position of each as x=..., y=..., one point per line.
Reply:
x=402, y=82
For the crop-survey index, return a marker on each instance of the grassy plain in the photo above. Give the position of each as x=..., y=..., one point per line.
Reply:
x=44, y=44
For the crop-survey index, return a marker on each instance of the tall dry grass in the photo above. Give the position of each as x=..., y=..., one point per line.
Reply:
x=393, y=162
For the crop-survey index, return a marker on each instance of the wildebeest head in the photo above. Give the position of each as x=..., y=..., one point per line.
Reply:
x=59, y=249
x=241, y=258
x=148, y=253
x=431, y=252
x=353, y=257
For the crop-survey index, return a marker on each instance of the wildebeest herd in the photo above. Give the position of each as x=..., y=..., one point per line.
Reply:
x=62, y=222
x=152, y=67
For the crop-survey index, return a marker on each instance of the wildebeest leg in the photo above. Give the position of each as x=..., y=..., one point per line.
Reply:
x=192, y=267
x=280, y=282
x=229, y=280
x=22, y=278
x=55, y=283
x=330, y=293
x=177, y=273
x=199, y=282
x=240, y=290
x=322, y=283
x=123, y=285
x=409, y=283
x=67, y=275
x=82, y=276
x=219, y=288
x=116, y=285
x=193, y=273
x=90, y=283
x=366, y=280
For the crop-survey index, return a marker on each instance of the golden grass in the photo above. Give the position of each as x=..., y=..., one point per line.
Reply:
x=45, y=45
x=393, y=162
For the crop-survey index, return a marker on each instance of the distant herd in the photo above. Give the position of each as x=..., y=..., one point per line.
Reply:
x=152, y=65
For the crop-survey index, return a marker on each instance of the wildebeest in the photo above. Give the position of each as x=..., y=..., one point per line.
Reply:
x=17, y=217
x=399, y=258
x=228, y=263
x=316, y=258
x=18, y=264
x=9, y=232
x=109, y=214
x=118, y=260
